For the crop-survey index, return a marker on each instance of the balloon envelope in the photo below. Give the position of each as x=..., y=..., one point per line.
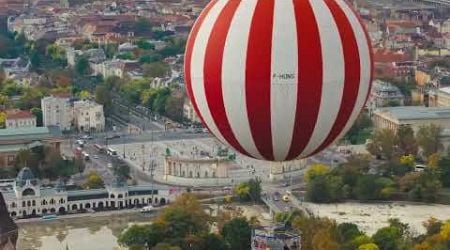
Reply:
x=278, y=79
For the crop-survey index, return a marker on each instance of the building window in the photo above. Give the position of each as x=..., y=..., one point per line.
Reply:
x=23, y=204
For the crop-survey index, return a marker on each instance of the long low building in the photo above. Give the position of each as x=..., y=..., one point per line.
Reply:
x=15, y=139
x=414, y=116
x=28, y=198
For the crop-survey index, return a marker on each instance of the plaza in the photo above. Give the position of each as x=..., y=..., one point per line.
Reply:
x=151, y=157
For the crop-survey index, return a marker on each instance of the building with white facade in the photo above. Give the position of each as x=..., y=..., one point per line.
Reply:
x=57, y=111
x=88, y=116
x=16, y=118
x=28, y=198
x=414, y=116
x=443, y=97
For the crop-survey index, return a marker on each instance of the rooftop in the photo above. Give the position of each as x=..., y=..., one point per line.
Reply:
x=415, y=113
x=18, y=114
x=31, y=133
x=446, y=90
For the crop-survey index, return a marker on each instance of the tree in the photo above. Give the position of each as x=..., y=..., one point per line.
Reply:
x=369, y=187
x=393, y=237
x=433, y=160
x=212, y=241
x=317, y=233
x=182, y=217
x=156, y=69
x=174, y=107
x=346, y=232
x=383, y=144
x=432, y=225
x=325, y=188
x=2, y=119
x=360, y=129
x=121, y=170
x=93, y=181
x=387, y=238
x=142, y=26
x=249, y=191
x=84, y=94
x=103, y=97
x=145, y=45
x=444, y=168
x=237, y=234
x=82, y=66
x=243, y=191
x=408, y=181
x=39, y=117
x=136, y=235
x=368, y=246
x=428, y=138
x=316, y=170
x=406, y=142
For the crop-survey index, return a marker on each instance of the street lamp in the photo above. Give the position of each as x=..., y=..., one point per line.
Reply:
x=152, y=169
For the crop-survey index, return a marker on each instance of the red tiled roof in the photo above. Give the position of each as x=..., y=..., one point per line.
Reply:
x=18, y=114
x=389, y=56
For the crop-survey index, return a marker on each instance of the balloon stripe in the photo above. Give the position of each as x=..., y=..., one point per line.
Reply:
x=213, y=74
x=352, y=72
x=366, y=63
x=310, y=77
x=258, y=77
x=284, y=78
x=333, y=75
x=369, y=46
x=233, y=76
x=188, y=56
x=198, y=64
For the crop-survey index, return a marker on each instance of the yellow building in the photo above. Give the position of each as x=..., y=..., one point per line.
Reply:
x=422, y=77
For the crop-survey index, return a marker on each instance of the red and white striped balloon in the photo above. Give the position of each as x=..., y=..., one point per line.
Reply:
x=278, y=79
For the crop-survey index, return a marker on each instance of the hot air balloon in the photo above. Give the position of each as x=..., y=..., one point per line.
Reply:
x=278, y=79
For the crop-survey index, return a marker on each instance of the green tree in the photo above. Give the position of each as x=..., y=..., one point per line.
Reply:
x=212, y=241
x=249, y=191
x=174, y=107
x=383, y=144
x=428, y=138
x=103, y=97
x=359, y=130
x=406, y=142
x=346, y=233
x=82, y=66
x=444, y=168
x=237, y=234
x=370, y=187
x=39, y=118
x=121, y=170
x=145, y=45
x=325, y=188
x=393, y=237
x=156, y=69
x=142, y=26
